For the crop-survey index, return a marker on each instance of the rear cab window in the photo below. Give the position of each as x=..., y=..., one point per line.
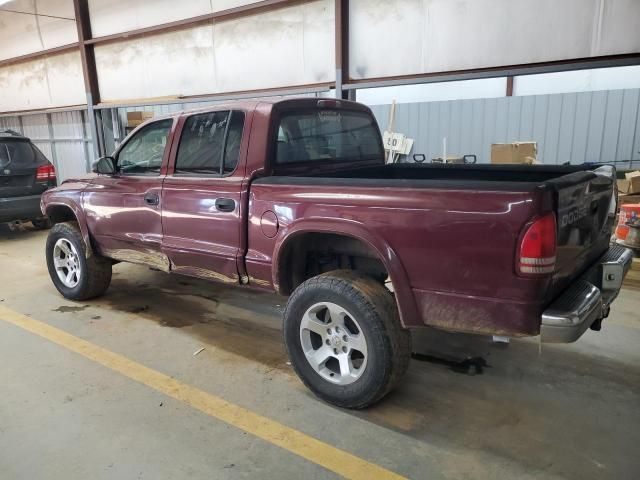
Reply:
x=326, y=135
x=210, y=143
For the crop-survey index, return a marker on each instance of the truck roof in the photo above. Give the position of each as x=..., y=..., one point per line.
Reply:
x=252, y=104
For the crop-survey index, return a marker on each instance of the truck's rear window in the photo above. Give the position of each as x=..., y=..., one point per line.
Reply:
x=327, y=135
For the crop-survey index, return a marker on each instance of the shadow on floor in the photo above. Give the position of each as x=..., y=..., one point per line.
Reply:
x=564, y=410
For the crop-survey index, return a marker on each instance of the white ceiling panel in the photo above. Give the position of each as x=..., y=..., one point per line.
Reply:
x=176, y=63
x=287, y=47
x=44, y=83
x=30, y=31
x=115, y=16
x=401, y=37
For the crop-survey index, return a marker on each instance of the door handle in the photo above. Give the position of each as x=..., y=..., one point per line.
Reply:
x=225, y=204
x=151, y=198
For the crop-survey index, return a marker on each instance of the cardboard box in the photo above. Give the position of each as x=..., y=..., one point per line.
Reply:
x=136, y=118
x=623, y=186
x=625, y=199
x=524, y=153
x=633, y=179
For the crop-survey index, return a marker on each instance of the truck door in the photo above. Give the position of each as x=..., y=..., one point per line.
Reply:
x=201, y=215
x=124, y=210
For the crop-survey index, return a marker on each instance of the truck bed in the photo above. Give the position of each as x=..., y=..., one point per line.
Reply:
x=458, y=228
x=518, y=178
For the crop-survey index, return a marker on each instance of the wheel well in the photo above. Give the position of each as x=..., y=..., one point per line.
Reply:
x=60, y=213
x=309, y=254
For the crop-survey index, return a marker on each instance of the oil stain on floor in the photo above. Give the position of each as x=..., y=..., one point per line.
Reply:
x=70, y=308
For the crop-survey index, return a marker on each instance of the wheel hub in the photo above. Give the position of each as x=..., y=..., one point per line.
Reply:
x=66, y=263
x=333, y=343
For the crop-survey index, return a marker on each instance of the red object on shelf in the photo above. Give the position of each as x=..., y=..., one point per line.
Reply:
x=628, y=213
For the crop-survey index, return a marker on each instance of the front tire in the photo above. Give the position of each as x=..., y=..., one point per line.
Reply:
x=344, y=339
x=74, y=275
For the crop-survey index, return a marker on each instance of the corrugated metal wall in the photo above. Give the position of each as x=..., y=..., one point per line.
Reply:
x=575, y=127
x=63, y=137
x=71, y=133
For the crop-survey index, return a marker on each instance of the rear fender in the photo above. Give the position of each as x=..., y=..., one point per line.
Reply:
x=393, y=265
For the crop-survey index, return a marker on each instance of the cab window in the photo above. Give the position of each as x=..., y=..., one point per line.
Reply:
x=327, y=135
x=210, y=143
x=143, y=152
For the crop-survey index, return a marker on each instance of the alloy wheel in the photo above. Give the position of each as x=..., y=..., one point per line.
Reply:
x=333, y=343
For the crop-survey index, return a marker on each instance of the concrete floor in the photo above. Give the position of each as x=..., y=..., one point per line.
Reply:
x=568, y=411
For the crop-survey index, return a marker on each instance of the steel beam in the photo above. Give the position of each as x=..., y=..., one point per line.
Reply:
x=342, y=46
x=92, y=90
x=40, y=54
x=23, y=113
x=509, y=91
x=219, y=97
x=494, y=72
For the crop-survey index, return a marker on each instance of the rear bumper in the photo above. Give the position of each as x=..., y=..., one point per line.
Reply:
x=588, y=299
x=20, y=208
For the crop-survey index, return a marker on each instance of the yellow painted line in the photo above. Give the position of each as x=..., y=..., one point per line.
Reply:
x=298, y=443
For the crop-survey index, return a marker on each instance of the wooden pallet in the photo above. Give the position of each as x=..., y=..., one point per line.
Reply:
x=632, y=280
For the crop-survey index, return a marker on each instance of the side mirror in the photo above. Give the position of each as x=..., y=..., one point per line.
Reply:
x=105, y=166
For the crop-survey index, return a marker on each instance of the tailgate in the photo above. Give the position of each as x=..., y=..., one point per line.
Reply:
x=585, y=214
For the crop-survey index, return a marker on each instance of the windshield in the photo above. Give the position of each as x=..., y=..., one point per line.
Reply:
x=327, y=135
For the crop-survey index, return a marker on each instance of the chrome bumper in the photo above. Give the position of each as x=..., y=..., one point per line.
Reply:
x=587, y=300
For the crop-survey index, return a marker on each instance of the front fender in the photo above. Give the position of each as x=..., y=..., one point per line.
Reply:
x=55, y=198
x=340, y=226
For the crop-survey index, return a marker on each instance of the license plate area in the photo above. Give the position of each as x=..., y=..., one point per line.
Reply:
x=15, y=180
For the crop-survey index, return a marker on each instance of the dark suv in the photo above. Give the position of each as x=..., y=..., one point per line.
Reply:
x=24, y=174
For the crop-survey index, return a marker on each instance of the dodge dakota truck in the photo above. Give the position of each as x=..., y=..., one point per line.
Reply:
x=295, y=196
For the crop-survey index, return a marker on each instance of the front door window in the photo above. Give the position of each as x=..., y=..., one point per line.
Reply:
x=142, y=154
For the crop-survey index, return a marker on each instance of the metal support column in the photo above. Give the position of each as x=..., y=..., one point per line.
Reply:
x=342, y=47
x=54, y=156
x=88, y=161
x=87, y=56
x=510, y=86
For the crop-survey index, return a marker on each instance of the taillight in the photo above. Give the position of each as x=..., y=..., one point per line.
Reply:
x=45, y=173
x=537, y=254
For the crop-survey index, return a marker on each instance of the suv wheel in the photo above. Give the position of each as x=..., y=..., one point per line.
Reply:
x=74, y=275
x=344, y=338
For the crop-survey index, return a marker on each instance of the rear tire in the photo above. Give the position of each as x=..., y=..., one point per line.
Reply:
x=353, y=320
x=74, y=275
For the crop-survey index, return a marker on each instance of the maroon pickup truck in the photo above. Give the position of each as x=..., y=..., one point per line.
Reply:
x=295, y=196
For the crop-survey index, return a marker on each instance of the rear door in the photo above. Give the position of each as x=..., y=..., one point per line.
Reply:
x=19, y=160
x=201, y=214
x=124, y=210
